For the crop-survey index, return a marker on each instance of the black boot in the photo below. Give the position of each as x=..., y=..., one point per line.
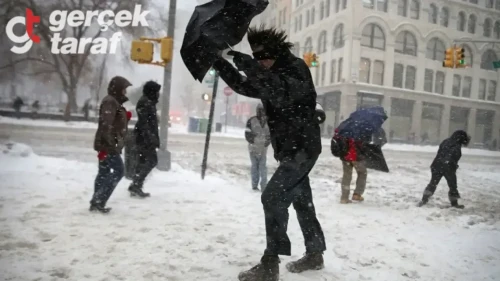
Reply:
x=136, y=191
x=310, y=261
x=424, y=201
x=454, y=203
x=97, y=207
x=267, y=270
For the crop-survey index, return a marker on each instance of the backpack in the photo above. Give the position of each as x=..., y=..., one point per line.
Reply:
x=339, y=146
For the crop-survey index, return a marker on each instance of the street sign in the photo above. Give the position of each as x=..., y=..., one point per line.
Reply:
x=496, y=64
x=228, y=91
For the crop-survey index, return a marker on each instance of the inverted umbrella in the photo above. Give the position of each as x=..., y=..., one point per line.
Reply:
x=363, y=123
x=212, y=27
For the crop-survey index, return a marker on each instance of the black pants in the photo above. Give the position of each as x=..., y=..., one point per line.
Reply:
x=146, y=162
x=437, y=174
x=290, y=185
x=110, y=173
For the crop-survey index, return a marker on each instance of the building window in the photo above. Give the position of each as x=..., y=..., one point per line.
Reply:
x=411, y=77
x=435, y=49
x=321, y=10
x=461, y=21
x=308, y=46
x=487, y=26
x=439, y=87
x=445, y=16
x=492, y=91
x=467, y=87
x=428, y=80
x=473, y=1
x=415, y=9
x=496, y=30
x=364, y=70
x=327, y=8
x=487, y=60
x=402, y=7
x=323, y=73
x=295, y=23
x=497, y=5
x=369, y=4
x=344, y=4
x=313, y=15
x=378, y=73
x=322, y=42
x=341, y=62
x=284, y=16
x=382, y=5
x=338, y=37
x=457, y=80
x=489, y=3
x=471, y=27
x=397, y=78
x=433, y=14
x=482, y=89
x=373, y=37
x=406, y=43
x=469, y=60
x=300, y=22
x=308, y=17
x=337, y=6
x=333, y=71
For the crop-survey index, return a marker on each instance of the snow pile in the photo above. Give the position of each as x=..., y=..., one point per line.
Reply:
x=16, y=149
x=49, y=123
x=210, y=230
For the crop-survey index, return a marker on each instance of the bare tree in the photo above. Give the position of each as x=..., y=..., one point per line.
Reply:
x=69, y=69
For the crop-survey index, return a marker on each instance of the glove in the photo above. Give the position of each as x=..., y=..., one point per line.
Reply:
x=243, y=61
x=102, y=155
x=129, y=115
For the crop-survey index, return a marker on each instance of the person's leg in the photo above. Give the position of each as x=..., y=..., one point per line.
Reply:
x=263, y=171
x=362, y=173
x=117, y=171
x=453, y=195
x=346, y=182
x=148, y=159
x=101, y=184
x=431, y=187
x=254, y=170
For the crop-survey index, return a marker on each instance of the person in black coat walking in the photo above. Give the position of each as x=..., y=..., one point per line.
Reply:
x=146, y=137
x=285, y=87
x=445, y=165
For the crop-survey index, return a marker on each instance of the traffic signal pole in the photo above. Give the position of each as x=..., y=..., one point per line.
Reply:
x=209, y=127
x=164, y=156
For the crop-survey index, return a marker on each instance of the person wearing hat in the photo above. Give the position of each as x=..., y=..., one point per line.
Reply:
x=109, y=141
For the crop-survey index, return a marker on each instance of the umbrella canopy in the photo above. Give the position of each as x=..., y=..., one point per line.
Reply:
x=363, y=123
x=212, y=27
x=374, y=157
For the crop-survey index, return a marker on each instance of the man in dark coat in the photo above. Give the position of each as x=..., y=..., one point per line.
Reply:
x=146, y=137
x=285, y=87
x=109, y=142
x=445, y=165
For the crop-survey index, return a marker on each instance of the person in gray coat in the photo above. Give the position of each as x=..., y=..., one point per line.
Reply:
x=258, y=137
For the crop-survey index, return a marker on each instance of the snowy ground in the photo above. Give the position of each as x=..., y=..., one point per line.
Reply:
x=210, y=230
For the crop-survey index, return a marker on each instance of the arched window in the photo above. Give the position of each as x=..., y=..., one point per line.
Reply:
x=445, y=16
x=487, y=26
x=487, y=59
x=338, y=37
x=415, y=9
x=435, y=50
x=373, y=36
x=471, y=26
x=496, y=30
x=406, y=43
x=322, y=42
x=433, y=14
x=308, y=46
x=469, y=60
x=321, y=10
x=461, y=20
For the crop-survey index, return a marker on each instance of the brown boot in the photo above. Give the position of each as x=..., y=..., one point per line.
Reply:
x=267, y=270
x=357, y=197
x=310, y=261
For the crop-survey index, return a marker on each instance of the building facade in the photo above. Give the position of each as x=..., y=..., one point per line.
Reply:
x=390, y=53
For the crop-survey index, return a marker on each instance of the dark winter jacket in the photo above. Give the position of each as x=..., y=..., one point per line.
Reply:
x=146, y=129
x=450, y=152
x=113, y=122
x=289, y=98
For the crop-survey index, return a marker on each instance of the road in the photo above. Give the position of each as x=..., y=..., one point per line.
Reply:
x=227, y=155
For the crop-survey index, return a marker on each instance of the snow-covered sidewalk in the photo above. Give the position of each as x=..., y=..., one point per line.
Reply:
x=210, y=230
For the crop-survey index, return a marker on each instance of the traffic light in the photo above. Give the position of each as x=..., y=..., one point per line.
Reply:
x=314, y=62
x=206, y=97
x=167, y=48
x=141, y=51
x=449, y=59
x=459, y=57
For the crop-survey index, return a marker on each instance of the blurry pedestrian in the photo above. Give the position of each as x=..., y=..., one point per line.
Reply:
x=34, y=109
x=285, y=87
x=147, y=139
x=86, y=109
x=18, y=103
x=258, y=138
x=109, y=142
x=445, y=165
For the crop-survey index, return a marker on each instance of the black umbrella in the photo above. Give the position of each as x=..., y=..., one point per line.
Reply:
x=374, y=157
x=212, y=27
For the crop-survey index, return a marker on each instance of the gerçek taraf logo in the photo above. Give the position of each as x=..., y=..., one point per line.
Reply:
x=58, y=20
